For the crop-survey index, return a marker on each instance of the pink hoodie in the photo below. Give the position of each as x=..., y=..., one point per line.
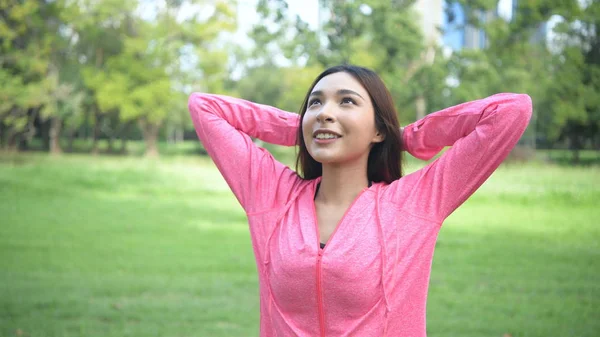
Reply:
x=372, y=277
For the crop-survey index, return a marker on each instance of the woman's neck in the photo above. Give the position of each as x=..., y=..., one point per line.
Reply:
x=341, y=184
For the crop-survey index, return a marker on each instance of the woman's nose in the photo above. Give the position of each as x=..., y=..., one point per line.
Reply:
x=325, y=114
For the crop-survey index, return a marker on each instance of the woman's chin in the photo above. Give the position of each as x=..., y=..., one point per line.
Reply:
x=337, y=158
x=324, y=158
x=330, y=157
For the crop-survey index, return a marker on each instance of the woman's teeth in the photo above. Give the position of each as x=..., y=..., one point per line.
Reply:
x=326, y=136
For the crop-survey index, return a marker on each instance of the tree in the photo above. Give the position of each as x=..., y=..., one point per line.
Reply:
x=518, y=60
x=98, y=29
x=385, y=36
x=62, y=103
x=381, y=35
x=275, y=60
x=574, y=101
x=66, y=62
x=28, y=31
x=145, y=81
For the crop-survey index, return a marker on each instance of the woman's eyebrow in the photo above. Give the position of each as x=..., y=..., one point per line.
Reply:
x=348, y=92
x=339, y=92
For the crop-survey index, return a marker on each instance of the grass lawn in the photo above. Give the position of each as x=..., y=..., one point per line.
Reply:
x=122, y=246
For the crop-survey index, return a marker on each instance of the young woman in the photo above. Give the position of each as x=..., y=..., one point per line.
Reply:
x=344, y=247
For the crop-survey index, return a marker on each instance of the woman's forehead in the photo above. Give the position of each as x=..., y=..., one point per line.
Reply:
x=333, y=83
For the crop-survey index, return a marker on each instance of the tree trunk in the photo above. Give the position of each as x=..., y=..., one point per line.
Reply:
x=2, y=131
x=421, y=106
x=55, y=131
x=123, y=147
x=150, y=132
x=96, y=132
x=576, y=144
x=124, y=135
x=30, y=130
x=85, y=126
x=176, y=135
x=70, y=139
x=180, y=132
x=45, y=135
x=12, y=141
x=111, y=141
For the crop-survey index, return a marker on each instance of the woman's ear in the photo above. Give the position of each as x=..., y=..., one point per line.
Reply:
x=379, y=137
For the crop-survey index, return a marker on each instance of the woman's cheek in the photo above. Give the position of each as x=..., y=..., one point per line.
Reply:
x=307, y=121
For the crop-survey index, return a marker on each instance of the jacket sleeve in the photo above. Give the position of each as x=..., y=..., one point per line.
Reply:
x=224, y=125
x=481, y=134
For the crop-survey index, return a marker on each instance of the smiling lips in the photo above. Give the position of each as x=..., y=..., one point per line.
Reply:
x=324, y=134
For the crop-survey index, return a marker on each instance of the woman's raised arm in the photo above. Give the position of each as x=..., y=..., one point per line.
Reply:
x=481, y=134
x=225, y=125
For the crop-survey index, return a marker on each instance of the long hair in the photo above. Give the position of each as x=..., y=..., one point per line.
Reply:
x=385, y=158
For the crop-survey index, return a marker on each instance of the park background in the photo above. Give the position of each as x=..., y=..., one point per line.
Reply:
x=114, y=222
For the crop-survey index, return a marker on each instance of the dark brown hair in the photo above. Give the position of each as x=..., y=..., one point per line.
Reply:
x=385, y=158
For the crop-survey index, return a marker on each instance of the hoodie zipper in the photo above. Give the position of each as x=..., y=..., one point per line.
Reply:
x=320, y=294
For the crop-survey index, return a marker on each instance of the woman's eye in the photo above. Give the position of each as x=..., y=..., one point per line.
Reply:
x=314, y=101
x=347, y=100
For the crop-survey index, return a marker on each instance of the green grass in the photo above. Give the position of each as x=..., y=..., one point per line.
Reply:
x=122, y=246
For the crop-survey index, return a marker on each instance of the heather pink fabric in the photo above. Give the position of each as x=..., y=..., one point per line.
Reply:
x=372, y=277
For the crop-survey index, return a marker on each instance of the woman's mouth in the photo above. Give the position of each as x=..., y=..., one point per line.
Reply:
x=325, y=137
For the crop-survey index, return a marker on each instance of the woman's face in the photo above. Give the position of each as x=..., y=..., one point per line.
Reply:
x=339, y=122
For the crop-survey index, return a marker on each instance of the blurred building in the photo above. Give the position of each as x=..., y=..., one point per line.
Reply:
x=458, y=34
x=431, y=14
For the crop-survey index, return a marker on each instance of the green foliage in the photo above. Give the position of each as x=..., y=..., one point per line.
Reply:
x=106, y=65
x=264, y=79
x=28, y=34
x=563, y=76
x=61, y=58
x=574, y=100
x=381, y=35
